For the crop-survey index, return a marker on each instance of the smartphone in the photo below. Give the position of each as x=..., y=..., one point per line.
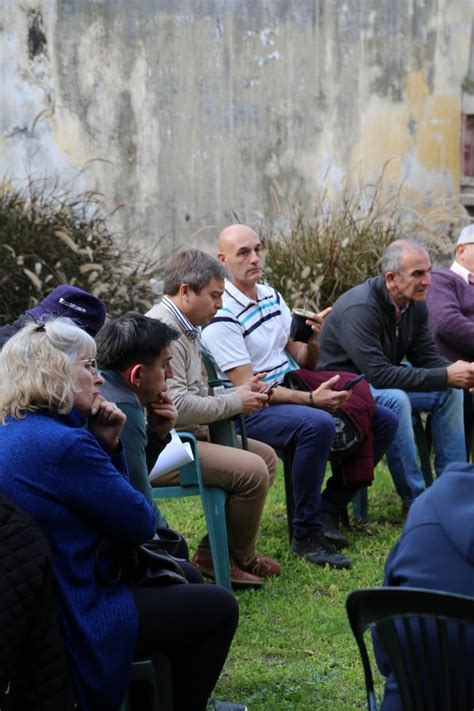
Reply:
x=349, y=385
x=270, y=387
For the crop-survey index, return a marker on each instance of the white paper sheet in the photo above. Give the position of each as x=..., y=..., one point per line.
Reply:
x=175, y=455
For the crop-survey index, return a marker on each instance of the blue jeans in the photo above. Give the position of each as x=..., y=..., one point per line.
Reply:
x=447, y=427
x=309, y=432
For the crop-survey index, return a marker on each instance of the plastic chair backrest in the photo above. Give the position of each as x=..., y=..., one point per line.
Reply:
x=222, y=431
x=213, y=502
x=221, y=436
x=428, y=639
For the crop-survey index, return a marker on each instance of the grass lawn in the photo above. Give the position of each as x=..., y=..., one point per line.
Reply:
x=293, y=648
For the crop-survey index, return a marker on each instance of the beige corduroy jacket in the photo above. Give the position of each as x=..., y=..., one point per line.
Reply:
x=188, y=387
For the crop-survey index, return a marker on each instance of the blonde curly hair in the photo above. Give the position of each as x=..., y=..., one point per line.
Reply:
x=36, y=367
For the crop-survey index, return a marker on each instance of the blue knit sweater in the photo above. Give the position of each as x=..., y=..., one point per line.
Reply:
x=55, y=470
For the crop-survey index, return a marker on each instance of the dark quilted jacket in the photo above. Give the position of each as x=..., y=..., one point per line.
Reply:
x=33, y=666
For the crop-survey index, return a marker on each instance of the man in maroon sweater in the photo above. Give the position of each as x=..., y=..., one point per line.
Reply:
x=450, y=302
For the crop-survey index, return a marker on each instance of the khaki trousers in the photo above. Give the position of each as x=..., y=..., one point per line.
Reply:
x=247, y=476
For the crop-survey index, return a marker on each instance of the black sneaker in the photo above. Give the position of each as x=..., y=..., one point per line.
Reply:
x=331, y=531
x=317, y=550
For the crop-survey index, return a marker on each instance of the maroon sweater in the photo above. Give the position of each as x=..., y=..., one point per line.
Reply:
x=450, y=304
x=358, y=468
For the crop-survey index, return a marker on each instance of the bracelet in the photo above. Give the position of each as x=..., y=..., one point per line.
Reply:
x=311, y=401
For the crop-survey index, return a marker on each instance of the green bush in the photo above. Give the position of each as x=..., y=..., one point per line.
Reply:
x=313, y=256
x=50, y=237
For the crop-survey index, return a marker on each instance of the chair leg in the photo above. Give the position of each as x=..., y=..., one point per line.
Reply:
x=214, y=511
x=423, y=442
x=154, y=674
x=360, y=505
x=290, y=502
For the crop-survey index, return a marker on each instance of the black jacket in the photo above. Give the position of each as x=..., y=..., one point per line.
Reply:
x=361, y=335
x=33, y=661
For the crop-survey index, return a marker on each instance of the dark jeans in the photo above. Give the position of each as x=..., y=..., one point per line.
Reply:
x=193, y=625
x=309, y=432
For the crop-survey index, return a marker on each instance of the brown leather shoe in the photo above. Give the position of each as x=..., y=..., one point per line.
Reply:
x=239, y=578
x=263, y=567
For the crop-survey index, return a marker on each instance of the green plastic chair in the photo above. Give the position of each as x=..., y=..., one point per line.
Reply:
x=424, y=635
x=213, y=502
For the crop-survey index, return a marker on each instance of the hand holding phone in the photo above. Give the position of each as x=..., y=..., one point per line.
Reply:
x=270, y=387
x=350, y=384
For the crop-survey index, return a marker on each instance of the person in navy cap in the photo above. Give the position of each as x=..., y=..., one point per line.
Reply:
x=86, y=310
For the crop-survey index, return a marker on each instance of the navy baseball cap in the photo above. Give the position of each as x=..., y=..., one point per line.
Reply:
x=87, y=311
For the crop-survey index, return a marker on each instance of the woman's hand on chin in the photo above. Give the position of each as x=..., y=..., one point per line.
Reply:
x=106, y=422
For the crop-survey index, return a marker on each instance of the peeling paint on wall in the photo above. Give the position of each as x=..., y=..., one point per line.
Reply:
x=189, y=112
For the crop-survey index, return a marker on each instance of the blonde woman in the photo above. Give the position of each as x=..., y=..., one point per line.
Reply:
x=72, y=480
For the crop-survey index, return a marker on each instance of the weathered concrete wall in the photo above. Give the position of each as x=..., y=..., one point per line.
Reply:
x=196, y=109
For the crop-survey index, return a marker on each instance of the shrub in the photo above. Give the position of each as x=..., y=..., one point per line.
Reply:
x=313, y=256
x=50, y=237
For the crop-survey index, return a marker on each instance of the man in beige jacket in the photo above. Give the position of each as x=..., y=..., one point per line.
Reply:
x=193, y=287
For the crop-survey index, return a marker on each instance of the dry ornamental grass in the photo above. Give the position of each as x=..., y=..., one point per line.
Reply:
x=49, y=237
x=314, y=255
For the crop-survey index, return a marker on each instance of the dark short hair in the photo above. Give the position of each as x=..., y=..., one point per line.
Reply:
x=194, y=268
x=132, y=338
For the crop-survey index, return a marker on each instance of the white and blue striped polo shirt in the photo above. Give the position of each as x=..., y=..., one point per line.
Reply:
x=245, y=332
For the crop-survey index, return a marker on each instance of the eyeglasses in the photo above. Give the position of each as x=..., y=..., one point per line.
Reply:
x=90, y=364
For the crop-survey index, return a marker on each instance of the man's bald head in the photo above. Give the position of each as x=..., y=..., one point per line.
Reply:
x=231, y=235
x=240, y=250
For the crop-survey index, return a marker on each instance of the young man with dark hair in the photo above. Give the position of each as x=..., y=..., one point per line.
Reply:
x=134, y=354
x=193, y=285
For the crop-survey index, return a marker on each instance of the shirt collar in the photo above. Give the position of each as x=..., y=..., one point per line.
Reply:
x=398, y=311
x=238, y=295
x=191, y=331
x=460, y=271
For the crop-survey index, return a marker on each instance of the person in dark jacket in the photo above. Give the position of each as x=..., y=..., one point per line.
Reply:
x=372, y=329
x=73, y=481
x=86, y=310
x=139, y=389
x=435, y=551
x=34, y=672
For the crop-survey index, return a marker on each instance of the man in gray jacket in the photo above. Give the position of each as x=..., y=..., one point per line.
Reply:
x=193, y=287
x=375, y=326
